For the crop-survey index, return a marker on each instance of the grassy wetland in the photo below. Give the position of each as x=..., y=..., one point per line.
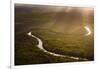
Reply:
x=63, y=30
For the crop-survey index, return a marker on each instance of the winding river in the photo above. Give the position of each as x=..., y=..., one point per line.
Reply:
x=40, y=46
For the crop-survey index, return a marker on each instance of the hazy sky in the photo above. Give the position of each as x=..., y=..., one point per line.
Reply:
x=64, y=18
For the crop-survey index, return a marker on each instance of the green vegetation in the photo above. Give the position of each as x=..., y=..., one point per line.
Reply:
x=26, y=50
x=72, y=45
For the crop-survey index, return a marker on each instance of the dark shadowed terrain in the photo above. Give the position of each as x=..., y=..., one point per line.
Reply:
x=60, y=28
